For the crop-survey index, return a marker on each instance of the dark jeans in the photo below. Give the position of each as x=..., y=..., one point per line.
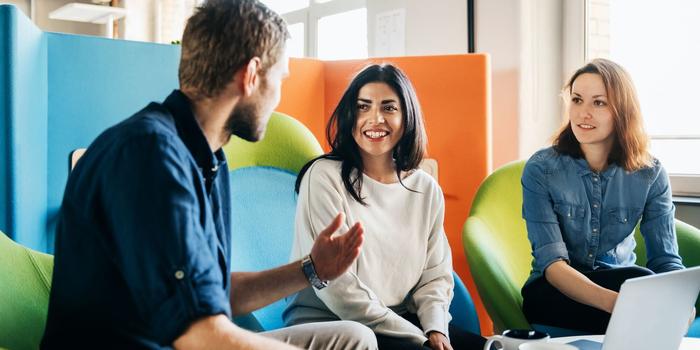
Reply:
x=544, y=304
x=460, y=339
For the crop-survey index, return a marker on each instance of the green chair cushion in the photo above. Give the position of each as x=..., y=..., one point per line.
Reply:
x=499, y=253
x=287, y=145
x=25, y=281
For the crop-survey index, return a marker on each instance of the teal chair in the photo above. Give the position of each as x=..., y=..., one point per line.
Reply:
x=264, y=206
x=499, y=253
x=25, y=281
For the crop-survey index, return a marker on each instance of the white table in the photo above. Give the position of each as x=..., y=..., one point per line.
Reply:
x=687, y=344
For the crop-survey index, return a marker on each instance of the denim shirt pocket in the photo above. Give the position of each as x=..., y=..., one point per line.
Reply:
x=624, y=216
x=570, y=216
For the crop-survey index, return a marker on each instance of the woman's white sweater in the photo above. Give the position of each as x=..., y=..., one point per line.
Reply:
x=405, y=264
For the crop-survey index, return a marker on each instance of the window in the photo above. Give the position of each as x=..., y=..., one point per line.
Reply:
x=656, y=41
x=327, y=29
x=297, y=44
x=286, y=6
x=335, y=41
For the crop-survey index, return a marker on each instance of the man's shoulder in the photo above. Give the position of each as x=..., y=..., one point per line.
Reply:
x=152, y=124
x=152, y=120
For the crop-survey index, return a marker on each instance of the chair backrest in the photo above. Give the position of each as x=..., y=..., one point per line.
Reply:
x=499, y=253
x=264, y=207
x=496, y=245
x=264, y=203
x=25, y=281
x=462, y=308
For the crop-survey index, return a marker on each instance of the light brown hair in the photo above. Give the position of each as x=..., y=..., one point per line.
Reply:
x=631, y=143
x=221, y=37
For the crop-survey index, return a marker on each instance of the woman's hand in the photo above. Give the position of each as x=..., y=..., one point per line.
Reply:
x=692, y=318
x=438, y=341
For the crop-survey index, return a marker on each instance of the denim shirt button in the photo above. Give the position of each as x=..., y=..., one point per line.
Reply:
x=179, y=274
x=595, y=205
x=595, y=230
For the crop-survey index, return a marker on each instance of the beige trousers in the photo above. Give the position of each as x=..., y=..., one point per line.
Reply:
x=334, y=335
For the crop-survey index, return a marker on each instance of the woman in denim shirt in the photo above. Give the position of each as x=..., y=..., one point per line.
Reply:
x=582, y=198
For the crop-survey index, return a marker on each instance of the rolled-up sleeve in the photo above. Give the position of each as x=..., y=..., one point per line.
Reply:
x=658, y=227
x=159, y=242
x=542, y=223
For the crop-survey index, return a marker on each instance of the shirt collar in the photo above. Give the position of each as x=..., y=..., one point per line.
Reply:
x=583, y=169
x=191, y=133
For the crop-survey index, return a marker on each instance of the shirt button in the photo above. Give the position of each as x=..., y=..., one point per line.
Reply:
x=179, y=274
x=595, y=205
x=595, y=230
x=590, y=255
x=595, y=179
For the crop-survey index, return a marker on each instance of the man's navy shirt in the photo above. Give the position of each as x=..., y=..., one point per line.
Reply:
x=142, y=242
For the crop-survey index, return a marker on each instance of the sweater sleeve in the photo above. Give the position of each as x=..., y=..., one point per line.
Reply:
x=433, y=293
x=319, y=201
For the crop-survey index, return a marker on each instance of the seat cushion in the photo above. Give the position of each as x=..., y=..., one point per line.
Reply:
x=25, y=281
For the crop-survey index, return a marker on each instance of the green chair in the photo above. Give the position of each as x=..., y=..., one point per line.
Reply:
x=25, y=281
x=499, y=253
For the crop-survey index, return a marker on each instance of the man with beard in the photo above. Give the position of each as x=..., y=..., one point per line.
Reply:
x=142, y=243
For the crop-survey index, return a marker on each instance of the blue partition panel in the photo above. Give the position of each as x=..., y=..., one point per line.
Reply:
x=57, y=93
x=23, y=126
x=93, y=84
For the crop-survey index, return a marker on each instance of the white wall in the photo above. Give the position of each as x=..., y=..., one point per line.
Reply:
x=23, y=5
x=528, y=48
x=435, y=27
x=497, y=32
x=541, y=79
x=140, y=23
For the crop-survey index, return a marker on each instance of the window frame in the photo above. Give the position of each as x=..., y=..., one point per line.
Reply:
x=311, y=14
x=576, y=53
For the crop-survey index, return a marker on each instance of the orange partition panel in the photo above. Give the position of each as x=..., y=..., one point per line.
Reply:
x=454, y=93
x=303, y=95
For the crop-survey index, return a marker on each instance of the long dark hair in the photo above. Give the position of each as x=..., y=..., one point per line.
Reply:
x=408, y=152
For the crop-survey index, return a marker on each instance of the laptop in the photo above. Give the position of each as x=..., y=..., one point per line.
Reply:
x=651, y=312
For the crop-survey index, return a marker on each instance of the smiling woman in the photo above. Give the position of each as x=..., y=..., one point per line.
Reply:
x=371, y=174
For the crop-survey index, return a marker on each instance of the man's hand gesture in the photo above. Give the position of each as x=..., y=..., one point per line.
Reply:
x=332, y=254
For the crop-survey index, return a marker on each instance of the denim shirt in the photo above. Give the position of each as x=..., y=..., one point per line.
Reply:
x=588, y=219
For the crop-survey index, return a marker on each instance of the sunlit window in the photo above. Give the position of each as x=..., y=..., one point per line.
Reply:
x=326, y=29
x=337, y=41
x=285, y=6
x=657, y=42
x=295, y=45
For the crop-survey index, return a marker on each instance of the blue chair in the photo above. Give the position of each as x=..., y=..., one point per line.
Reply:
x=264, y=206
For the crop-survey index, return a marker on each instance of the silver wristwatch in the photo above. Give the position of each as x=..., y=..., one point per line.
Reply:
x=307, y=266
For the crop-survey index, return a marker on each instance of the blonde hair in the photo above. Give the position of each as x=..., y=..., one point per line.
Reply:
x=631, y=144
